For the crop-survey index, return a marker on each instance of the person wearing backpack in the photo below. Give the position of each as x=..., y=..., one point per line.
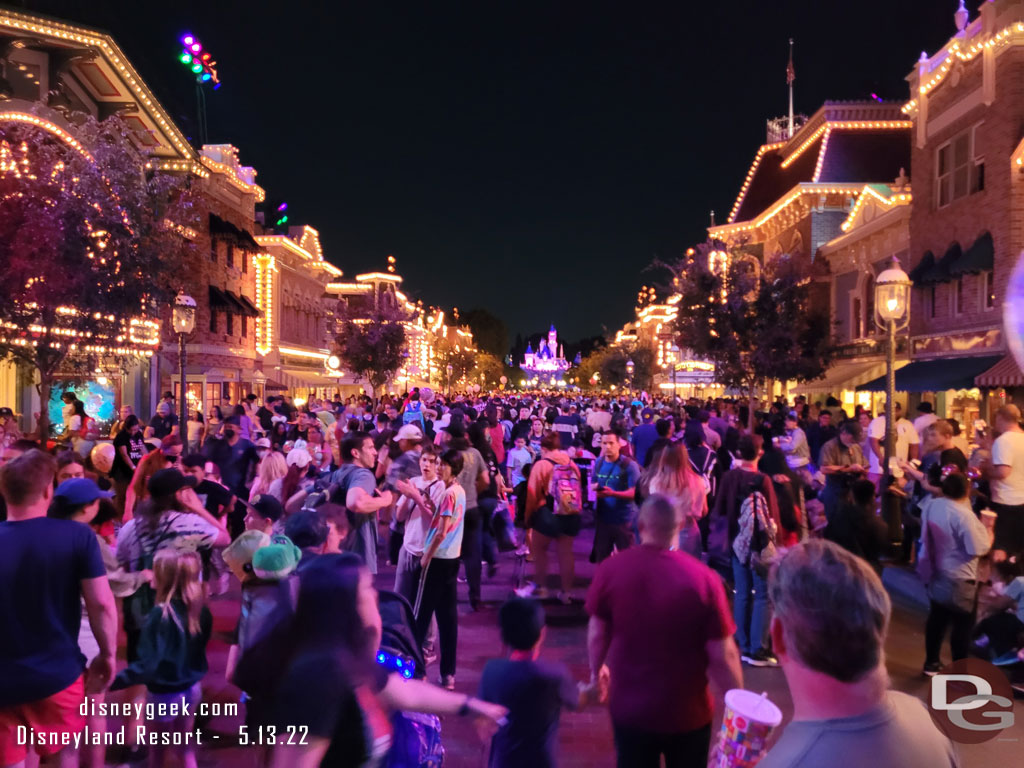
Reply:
x=745, y=494
x=554, y=499
x=355, y=488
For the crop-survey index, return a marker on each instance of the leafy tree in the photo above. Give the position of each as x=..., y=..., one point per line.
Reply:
x=491, y=366
x=449, y=352
x=754, y=324
x=88, y=241
x=490, y=333
x=614, y=369
x=371, y=341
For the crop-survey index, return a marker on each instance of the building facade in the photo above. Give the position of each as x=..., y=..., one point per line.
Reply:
x=293, y=335
x=967, y=214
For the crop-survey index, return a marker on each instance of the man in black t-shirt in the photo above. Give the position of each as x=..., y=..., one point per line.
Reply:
x=215, y=498
x=164, y=423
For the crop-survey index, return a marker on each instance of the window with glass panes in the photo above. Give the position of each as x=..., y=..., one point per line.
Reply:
x=958, y=172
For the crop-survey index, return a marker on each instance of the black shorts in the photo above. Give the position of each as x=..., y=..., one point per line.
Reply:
x=1009, y=529
x=547, y=523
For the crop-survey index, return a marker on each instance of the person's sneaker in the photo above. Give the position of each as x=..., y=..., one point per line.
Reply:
x=523, y=550
x=762, y=657
x=460, y=579
x=448, y=682
x=931, y=669
x=526, y=590
x=429, y=657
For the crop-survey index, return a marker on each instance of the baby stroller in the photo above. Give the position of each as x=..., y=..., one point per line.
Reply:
x=416, y=742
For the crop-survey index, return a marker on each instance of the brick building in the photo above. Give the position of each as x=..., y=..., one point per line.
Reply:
x=221, y=365
x=966, y=222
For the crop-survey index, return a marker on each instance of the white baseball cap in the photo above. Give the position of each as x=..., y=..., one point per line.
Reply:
x=408, y=432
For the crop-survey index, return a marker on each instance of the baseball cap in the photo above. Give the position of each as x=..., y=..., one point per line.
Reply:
x=82, y=490
x=263, y=442
x=647, y=415
x=268, y=507
x=6, y=412
x=408, y=432
x=167, y=482
x=299, y=457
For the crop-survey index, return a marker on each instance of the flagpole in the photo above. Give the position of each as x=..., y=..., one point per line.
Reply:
x=789, y=79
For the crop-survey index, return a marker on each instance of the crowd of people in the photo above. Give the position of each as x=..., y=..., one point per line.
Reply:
x=292, y=508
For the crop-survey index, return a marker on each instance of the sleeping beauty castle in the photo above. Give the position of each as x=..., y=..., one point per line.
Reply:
x=548, y=363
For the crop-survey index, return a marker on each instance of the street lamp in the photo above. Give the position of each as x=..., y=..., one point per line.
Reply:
x=630, y=367
x=183, y=319
x=449, y=370
x=892, y=314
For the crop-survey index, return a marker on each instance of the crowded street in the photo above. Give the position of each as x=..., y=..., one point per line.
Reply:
x=517, y=386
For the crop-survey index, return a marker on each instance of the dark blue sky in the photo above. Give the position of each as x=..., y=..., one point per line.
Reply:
x=530, y=157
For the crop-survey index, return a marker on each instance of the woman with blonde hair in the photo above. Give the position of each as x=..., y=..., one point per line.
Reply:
x=673, y=476
x=271, y=467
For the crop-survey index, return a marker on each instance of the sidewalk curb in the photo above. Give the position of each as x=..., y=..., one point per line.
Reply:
x=906, y=586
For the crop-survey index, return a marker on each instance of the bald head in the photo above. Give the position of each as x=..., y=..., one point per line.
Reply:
x=659, y=521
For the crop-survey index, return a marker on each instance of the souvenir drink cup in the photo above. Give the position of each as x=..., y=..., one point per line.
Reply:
x=748, y=721
x=988, y=517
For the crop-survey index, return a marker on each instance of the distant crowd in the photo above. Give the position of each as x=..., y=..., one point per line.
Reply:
x=726, y=532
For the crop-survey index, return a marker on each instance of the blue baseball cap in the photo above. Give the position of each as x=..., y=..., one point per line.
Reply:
x=82, y=490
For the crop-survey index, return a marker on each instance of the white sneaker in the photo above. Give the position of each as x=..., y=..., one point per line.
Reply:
x=526, y=590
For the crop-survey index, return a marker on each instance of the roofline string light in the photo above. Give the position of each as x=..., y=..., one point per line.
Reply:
x=954, y=49
x=899, y=198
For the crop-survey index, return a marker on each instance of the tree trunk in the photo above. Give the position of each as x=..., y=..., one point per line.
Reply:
x=44, y=388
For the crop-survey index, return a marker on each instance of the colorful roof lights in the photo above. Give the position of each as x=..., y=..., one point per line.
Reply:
x=199, y=61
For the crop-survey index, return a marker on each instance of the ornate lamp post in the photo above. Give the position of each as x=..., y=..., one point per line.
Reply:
x=892, y=314
x=183, y=319
x=630, y=368
x=449, y=370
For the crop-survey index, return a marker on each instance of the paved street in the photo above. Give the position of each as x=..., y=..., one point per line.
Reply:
x=585, y=737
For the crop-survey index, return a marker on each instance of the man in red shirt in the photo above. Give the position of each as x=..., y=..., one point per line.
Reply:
x=662, y=649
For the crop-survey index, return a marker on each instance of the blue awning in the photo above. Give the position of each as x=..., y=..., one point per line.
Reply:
x=936, y=375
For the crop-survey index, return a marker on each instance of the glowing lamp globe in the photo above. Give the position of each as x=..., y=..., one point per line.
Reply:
x=183, y=316
x=892, y=294
x=333, y=363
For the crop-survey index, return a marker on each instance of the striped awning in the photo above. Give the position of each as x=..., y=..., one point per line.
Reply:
x=1005, y=373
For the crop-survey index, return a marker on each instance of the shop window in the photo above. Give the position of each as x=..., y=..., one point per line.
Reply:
x=244, y=321
x=958, y=171
x=245, y=261
x=230, y=323
x=933, y=305
x=958, y=300
x=988, y=287
x=213, y=251
x=856, y=319
x=230, y=256
x=213, y=321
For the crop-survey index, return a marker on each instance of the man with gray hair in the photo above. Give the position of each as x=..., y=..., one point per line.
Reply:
x=661, y=621
x=829, y=629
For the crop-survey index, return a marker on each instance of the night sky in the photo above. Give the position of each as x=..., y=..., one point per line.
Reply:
x=527, y=157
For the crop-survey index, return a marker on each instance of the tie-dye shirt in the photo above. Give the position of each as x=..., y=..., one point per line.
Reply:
x=453, y=505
